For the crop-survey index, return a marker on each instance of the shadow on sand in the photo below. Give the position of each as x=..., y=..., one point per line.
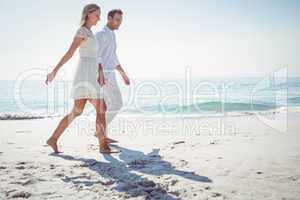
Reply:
x=126, y=171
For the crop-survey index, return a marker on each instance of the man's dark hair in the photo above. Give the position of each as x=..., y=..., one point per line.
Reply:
x=113, y=12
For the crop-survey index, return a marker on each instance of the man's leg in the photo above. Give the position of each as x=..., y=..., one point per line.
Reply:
x=113, y=99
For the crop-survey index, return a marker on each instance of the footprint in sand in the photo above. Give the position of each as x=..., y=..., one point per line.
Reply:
x=294, y=178
x=92, y=147
x=183, y=163
x=29, y=182
x=20, y=167
x=175, y=193
x=52, y=166
x=207, y=188
x=41, y=179
x=146, y=188
x=48, y=193
x=79, y=165
x=107, y=183
x=59, y=175
x=178, y=142
x=33, y=167
x=21, y=194
x=24, y=183
x=139, y=164
x=173, y=182
x=7, y=193
x=214, y=142
x=21, y=163
x=26, y=174
x=172, y=146
x=216, y=194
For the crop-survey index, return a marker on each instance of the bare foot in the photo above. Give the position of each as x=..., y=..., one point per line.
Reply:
x=105, y=149
x=53, y=143
x=109, y=140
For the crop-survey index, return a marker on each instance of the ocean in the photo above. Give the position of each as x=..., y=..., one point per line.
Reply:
x=28, y=99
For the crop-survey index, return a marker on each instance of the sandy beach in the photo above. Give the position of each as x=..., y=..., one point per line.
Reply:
x=203, y=98
x=161, y=158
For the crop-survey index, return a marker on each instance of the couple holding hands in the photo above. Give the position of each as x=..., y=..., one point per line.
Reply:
x=95, y=79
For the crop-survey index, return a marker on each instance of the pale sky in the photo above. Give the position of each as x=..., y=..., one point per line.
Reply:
x=159, y=38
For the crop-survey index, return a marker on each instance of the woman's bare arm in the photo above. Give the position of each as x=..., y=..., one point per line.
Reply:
x=75, y=44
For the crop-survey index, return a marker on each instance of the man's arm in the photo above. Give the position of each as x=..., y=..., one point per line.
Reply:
x=120, y=69
x=123, y=74
x=101, y=46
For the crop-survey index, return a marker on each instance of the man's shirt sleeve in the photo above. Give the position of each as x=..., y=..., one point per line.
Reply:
x=101, y=46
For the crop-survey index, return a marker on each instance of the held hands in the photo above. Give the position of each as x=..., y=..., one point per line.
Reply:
x=101, y=79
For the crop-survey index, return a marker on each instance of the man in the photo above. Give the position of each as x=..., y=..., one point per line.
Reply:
x=108, y=61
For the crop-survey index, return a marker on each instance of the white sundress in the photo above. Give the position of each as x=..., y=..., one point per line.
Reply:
x=85, y=85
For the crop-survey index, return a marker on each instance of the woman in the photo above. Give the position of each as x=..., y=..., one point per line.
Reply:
x=88, y=80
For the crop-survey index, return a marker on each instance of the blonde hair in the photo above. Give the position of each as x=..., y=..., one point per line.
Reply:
x=89, y=8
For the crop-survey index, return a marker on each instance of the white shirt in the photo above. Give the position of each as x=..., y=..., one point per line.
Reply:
x=107, y=54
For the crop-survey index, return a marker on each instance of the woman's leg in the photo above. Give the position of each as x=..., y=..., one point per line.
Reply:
x=99, y=105
x=104, y=108
x=65, y=122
